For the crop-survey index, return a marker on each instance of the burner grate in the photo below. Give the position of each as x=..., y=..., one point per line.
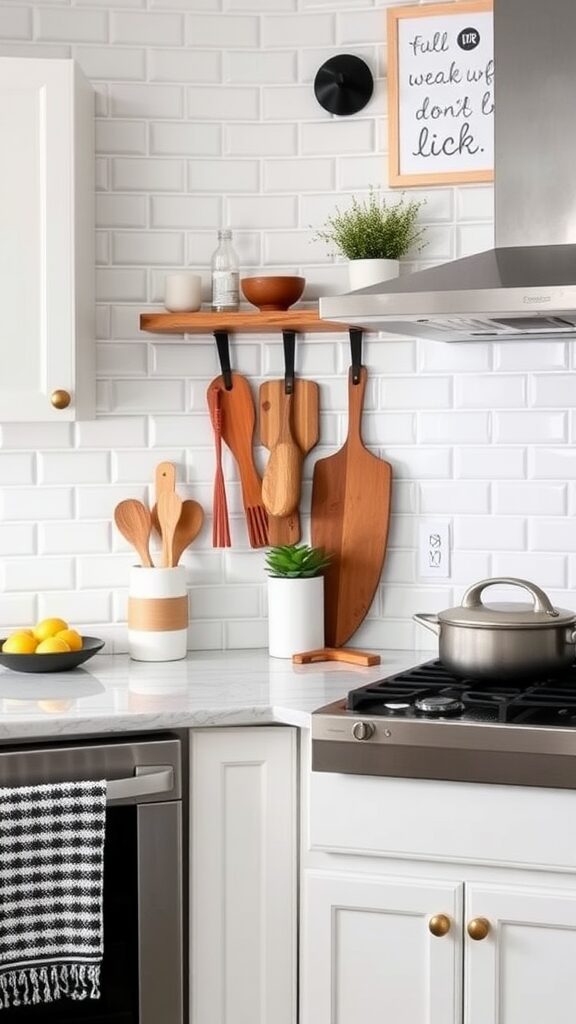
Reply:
x=547, y=702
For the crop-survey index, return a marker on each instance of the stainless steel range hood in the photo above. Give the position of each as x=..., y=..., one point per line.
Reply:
x=525, y=288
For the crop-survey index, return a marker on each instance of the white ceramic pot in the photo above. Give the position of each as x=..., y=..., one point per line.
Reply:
x=363, y=273
x=157, y=614
x=295, y=615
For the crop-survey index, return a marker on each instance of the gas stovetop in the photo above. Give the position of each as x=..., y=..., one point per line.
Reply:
x=426, y=723
x=429, y=691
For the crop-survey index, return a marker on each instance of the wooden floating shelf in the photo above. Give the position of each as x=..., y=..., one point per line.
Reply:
x=302, y=321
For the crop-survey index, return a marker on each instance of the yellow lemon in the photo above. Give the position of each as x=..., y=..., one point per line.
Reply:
x=20, y=643
x=49, y=627
x=52, y=645
x=72, y=638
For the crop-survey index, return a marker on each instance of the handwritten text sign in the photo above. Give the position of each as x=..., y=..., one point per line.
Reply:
x=441, y=93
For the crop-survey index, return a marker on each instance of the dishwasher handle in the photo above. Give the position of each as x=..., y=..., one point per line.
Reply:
x=148, y=780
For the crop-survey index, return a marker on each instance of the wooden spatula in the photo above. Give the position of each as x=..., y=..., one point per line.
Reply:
x=238, y=420
x=305, y=429
x=164, y=481
x=169, y=511
x=133, y=521
x=282, y=479
x=350, y=516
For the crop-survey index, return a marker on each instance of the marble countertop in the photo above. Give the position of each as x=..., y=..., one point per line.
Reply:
x=112, y=694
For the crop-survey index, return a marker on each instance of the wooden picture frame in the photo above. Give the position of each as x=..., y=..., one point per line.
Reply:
x=445, y=58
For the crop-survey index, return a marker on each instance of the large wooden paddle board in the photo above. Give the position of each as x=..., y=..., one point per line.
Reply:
x=350, y=517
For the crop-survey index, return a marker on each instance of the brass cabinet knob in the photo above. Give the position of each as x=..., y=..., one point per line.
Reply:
x=439, y=925
x=60, y=399
x=478, y=928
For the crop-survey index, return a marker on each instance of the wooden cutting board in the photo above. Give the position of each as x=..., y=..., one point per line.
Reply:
x=305, y=431
x=350, y=516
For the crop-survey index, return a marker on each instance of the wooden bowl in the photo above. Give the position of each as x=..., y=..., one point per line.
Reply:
x=269, y=293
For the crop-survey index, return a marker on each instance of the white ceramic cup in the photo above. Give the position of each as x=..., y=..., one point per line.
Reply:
x=183, y=293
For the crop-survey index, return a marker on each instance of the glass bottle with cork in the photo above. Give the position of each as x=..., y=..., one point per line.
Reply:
x=225, y=277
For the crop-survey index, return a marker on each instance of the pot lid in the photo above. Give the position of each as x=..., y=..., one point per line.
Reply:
x=541, y=613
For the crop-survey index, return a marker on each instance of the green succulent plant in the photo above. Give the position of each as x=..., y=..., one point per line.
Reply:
x=375, y=229
x=296, y=561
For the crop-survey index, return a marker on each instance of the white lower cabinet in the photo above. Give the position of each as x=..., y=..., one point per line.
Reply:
x=369, y=956
x=243, y=881
x=524, y=971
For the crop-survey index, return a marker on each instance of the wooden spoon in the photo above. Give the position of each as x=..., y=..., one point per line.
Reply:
x=134, y=523
x=187, y=528
x=282, y=479
x=169, y=511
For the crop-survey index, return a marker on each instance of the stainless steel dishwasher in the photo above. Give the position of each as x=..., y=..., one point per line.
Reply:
x=143, y=965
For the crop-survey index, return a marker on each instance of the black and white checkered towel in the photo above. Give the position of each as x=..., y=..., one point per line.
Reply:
x=51, y=868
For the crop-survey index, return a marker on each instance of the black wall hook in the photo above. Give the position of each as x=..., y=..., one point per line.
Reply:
x=223, y=347
x=344, y=84
x=289, y=339
x=356, y=352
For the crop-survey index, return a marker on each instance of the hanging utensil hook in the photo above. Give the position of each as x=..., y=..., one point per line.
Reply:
x=289, y=339
x=356, y=352
x=223, y=347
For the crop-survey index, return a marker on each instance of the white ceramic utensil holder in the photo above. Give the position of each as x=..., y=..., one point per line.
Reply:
x=157, y=614
x=295, y=615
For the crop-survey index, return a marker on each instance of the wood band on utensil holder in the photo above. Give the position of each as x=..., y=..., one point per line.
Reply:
x=158, y=614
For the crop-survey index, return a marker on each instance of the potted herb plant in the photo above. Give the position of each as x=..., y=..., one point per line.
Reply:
x=295, y=599
x=374, y=235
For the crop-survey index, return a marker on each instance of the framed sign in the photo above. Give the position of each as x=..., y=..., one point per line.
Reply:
x=441, y=93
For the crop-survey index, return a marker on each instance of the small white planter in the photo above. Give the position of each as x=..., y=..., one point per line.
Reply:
x=295, y=615
x=157, y=614
x=363, y=273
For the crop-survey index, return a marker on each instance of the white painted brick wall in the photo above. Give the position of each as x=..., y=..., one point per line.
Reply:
x=206, y=116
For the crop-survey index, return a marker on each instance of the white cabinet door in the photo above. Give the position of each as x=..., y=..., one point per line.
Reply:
x=46, y=239
x=243, y=891
x=524, y=971
x=369, y=956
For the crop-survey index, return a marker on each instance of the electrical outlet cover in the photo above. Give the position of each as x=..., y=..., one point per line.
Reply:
x=434, y=550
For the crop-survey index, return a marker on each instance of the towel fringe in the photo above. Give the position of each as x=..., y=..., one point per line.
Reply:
x=45, y=984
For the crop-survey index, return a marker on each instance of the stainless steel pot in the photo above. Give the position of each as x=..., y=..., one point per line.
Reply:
x=507, y=640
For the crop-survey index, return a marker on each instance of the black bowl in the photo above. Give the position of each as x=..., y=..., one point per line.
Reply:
x=51, y=662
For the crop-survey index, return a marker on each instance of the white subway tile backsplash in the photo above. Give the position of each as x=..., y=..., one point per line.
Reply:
x=155, y=175
x=146, y=28
x=21, y=574
x=536, y=355
x=35, y=435
x=298, y=175
x=185, y=66
x=135, y=247
x=490, y=391
x=170, y=138
x=149, y=101
x=109, y=571
x=118, y=211
x=552, y=463
x=139, y=466
x=529, y=498
x=471, y=238
x=223, y=175
x=223, y=33
x=262, y=212
x=185, y=211
x=289, y=102
x=415, y=393
x=113, y=358
x=554, y=390
x=226, y=602
x=261, y=139
x=18, y=468
x=491, y=533
x=223, y=103
x=525, y=427
x=17, y=610
x=490, y=462
x=147, y=396
x=17, y=539
x=446, y=497
x=361, y=26
x=15, y=23
x=254, y=66
x=74, y=538
x=74, y=467
x=29, y=503
x=454, y=358
x=305, y=30
x=78, y=608
x=420, y=463
x=336, y=137
x=552, y=535
x=100, y=502
x=544, y=570
x=475, y=203
x=454, y=427
x=120, y=285
x=124, y=432
x=107, y=62
x=66, y=24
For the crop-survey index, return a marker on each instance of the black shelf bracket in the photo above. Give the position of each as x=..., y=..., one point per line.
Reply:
x=223, y=346
x=356, y=352
x=289, y=339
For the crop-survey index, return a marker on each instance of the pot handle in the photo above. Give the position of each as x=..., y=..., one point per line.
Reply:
x=429, y=621
x=473, y=596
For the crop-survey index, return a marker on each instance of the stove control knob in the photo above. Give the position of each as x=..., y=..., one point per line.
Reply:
x=362, y=730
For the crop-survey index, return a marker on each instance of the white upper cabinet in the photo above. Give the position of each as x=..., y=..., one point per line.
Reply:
x=46, y=241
